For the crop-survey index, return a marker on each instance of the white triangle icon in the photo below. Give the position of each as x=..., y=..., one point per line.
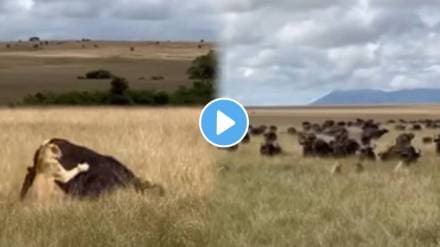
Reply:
x=223, y=123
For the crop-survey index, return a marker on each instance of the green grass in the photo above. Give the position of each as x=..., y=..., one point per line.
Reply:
x=290, y=201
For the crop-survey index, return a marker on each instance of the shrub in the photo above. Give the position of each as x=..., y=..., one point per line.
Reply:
x=70, y=98
x=161, y=98
x=204, y=67
x=119, y=86
x=120, y=99
x=142, y=97
x=99, y=74
x=157, y=78
x=183, y=96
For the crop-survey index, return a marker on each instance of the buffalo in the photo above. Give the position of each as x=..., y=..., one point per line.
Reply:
x=105, y=173
x=402, y=150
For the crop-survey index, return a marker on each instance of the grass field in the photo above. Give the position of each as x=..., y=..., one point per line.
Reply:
x=56, y=66
x=171, y=154
x=292, y=201
x=216, y=197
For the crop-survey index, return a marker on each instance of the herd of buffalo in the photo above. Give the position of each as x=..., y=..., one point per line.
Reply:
x=348, y=138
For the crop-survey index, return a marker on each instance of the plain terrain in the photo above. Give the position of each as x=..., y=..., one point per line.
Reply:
x=218, y=197
x=57, y=65
x=174, y=155
x=292, y=201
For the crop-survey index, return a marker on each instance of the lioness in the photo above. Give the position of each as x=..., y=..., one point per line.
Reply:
x=47, y=170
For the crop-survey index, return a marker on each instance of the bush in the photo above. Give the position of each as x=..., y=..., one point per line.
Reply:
x=70, y=98
x=142, y=97
x=200, y=93
x=119, y=86
x=120, y=99
x=157, y=78
x=204, y=67
x=161, y=98
x=99, y=74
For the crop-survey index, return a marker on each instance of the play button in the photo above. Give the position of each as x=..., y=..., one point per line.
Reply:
x=224, y=122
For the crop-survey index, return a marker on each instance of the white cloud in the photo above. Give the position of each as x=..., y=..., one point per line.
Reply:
x=300, y=50
x=116, y=19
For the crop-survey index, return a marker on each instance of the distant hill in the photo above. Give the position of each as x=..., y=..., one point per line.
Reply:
x=378, y=97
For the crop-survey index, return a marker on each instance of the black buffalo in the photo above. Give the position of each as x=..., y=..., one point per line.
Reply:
x=270, y=146
x=341, y=139
x=402, y=150
x=104, y=175
x=437, y=144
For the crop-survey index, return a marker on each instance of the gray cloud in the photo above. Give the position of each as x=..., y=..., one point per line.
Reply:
x=292, y=52
x=117, y=19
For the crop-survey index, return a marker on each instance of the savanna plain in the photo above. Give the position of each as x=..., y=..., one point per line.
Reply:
x=57, y=66
x=288, y=200
x=159, y=145
x=220, y=197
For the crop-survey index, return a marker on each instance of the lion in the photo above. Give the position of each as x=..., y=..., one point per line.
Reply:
x=46, y=171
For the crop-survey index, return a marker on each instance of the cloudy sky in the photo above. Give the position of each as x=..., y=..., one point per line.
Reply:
x=111, y=19
x=290, y=52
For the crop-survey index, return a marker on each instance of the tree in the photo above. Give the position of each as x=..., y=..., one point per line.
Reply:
x=119, y=86
x=34, y=39
x=204, y=67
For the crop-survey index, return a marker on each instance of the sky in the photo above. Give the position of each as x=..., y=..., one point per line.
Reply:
x=278, y=52
x=292, y=52
x=110, y=19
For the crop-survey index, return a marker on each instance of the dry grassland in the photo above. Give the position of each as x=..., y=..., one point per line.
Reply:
x=149, y=141
x=55, y=67
x=292, y=201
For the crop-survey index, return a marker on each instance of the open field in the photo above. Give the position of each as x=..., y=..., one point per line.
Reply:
x=217, y=197
x=289, y=200
x=161, y=151
x=56, y=66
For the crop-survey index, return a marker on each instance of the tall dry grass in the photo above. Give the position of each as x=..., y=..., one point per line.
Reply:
x=162, y=145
